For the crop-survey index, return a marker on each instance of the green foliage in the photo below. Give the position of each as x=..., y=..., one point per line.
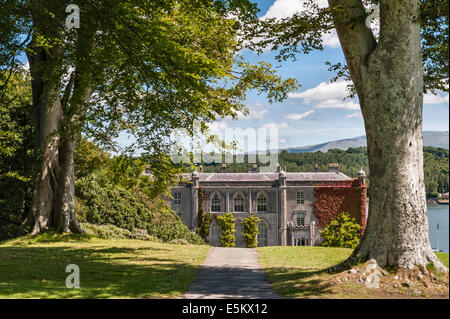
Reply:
x=344, y=232
x=104, y=203
x=227, y=229
x=250, y=231
x=114, y=232
x=436, y=170
x=89, y=158
x=16, y=154
x=204, y=219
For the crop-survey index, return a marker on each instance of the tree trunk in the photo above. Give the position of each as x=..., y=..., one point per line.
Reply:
x=389, y=80
x=53, y=195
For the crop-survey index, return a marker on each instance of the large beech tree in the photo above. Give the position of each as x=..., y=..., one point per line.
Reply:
x=387, y=74
x=140, y=67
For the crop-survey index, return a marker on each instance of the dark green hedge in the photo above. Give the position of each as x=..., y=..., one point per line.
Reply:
x=99, y=202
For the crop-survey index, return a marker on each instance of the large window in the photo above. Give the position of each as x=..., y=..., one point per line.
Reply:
x=215, y=203
x=262, y=234
x=262, y=204
x=238, y=203
x=300, y=198
x=300, y=218
x=177, y=198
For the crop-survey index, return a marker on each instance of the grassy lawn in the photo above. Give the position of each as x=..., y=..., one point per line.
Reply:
x=298, y=272
x=35, y=268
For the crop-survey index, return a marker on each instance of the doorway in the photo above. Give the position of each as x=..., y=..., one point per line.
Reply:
x=301, y=241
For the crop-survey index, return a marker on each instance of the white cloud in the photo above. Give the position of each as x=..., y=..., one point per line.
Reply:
x=331, y=39
x=282, y=141
x=297, y=116
x=337, y=104
x=255, y=112
x=217, y=126
x=276, y=125
x=327, y=96
x=430, y=98
x=354, y=115
x=286, y=8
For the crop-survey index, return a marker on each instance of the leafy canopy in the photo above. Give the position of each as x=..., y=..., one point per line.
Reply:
x=138, y=68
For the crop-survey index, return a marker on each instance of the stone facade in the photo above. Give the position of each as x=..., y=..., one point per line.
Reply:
x=284, y=202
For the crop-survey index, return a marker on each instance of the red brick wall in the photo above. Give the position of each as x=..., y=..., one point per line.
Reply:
x=332, y=199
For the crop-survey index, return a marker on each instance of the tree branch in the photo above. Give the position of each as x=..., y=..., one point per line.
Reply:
x=357, y=40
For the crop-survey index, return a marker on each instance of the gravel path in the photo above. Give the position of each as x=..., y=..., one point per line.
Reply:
x=230, y=273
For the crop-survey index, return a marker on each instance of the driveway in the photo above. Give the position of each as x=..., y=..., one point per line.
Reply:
x=230, y=273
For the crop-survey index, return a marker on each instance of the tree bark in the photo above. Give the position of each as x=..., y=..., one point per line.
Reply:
x=388, y=78
x=53, y=194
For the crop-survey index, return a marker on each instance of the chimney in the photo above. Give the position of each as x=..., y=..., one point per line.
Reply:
x=255, y=168
x=316, y=168
x=333, y=167
x=200, y=168
x=223, y=168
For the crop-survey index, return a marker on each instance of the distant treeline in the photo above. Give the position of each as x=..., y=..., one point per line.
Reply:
x=436, y=165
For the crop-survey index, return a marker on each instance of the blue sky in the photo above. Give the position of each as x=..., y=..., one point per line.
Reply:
x=316, y=112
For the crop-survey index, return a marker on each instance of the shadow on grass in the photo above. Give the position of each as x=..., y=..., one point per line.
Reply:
x=40, y=272
x=300, y=283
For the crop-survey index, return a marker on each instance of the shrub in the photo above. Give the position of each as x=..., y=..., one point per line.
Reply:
x=344, y=231
x=179, y=242
x=250, y=231
x=227, y=230
x=114, y=232
x=15, y=197
x=102, y=203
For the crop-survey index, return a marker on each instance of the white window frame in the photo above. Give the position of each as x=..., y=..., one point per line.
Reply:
x=260, y=204
x=238, y=207
x=300, y=216
x=300, y=197
x=216, y=206
x=177, y=198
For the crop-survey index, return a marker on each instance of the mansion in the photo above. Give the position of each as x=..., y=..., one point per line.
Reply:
x=292, y=207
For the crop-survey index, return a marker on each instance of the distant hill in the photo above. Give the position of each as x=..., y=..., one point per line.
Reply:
x=430, y=138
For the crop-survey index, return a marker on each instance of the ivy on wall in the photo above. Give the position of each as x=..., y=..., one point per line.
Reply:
x=331, y=199
x=250, y=231
x=204, y=218
x=227, y=230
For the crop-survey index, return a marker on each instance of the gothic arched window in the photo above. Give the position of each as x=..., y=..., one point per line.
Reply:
x=238, y=203
x=215, y=203
x=262, y=204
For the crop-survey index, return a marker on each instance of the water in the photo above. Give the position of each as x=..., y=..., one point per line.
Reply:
x=437, y=214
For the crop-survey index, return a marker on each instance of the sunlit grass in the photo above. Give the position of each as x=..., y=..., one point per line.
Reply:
x=35, y=267
x=300, y=272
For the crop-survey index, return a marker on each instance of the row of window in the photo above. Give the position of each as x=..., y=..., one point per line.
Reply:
x=261, y=202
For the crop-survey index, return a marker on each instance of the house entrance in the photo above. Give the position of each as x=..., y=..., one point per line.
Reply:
x=301, y=241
